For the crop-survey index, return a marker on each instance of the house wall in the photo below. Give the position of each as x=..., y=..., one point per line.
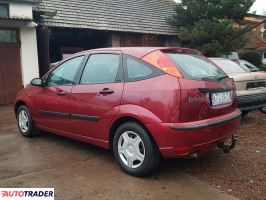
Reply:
x=29, y=55
x=55, y=43
x=20, y=10
x=117, y=39
x=114, y=40
x=66, y=41
x=172, y=41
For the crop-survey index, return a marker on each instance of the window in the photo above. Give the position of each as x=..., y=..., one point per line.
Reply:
x=4, y=11
x=101, y=68
x=65, y=73
x=138, y=70
x=8, y=36
x=196, y=67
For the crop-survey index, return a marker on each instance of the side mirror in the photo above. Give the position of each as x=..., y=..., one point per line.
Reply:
x=37, y=82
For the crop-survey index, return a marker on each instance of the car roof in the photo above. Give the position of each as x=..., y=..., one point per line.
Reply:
x=139, y=52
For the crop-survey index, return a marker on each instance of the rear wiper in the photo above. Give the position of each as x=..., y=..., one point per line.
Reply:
x=211, y=78
x=221, y=78
x=208, y=78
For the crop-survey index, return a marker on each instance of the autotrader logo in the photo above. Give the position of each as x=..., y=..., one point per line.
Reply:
x=26, y=193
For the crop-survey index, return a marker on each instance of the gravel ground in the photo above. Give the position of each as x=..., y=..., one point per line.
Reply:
x=241, y=173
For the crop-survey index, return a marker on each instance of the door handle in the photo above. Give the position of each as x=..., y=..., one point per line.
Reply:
x=62, y=93
x=107, y=91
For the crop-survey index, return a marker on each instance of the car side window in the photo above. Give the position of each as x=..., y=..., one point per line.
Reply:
x=65, y=73
x=101, y=68
x=139, y=70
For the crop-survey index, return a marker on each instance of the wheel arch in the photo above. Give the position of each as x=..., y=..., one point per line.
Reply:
x=123, y=119
x=25, y=100
x=18, y=104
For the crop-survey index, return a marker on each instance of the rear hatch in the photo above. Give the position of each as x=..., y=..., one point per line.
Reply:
x=250, y=83
x=206, y=91
x=206, y=99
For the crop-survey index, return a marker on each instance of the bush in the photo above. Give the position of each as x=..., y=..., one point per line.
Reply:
x=252, y=57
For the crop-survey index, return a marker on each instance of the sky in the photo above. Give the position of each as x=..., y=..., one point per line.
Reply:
x=259, y=6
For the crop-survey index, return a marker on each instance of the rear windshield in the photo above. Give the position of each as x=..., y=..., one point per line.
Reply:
x=228, y=66
x=197, y=67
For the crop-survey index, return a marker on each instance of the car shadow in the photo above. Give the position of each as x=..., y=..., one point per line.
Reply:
x=191, y=166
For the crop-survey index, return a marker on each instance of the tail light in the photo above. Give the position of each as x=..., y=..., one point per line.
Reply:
x=161, y=61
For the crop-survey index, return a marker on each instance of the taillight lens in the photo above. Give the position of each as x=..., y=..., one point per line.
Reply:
x=161, y=61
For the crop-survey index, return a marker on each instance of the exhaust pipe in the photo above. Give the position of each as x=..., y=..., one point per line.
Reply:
x=227, y=148
x=194, y=155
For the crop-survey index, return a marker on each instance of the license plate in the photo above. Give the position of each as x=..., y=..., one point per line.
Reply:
x=221, y=98
x=256, y=85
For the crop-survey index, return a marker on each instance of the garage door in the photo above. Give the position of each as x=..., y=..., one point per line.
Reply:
x=10, y=66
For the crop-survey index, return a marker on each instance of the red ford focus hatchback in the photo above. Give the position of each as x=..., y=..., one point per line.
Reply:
x=143, y=103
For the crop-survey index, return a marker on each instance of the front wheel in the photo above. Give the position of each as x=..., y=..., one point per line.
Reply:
x=134, y=150
x=24, y=122
x=263, y=110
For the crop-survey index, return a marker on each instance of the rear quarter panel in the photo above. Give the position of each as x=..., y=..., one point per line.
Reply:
x=159, y=96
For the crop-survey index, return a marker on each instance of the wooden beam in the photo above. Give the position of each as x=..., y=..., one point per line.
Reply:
x=43, y=37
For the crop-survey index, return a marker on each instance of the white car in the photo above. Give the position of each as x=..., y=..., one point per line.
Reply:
x=250, y=86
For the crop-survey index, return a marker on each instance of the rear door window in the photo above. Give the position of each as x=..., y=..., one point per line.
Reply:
x=196, y=67
x=139, y=70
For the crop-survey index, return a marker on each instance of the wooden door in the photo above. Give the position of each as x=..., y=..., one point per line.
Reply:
x=10, y=66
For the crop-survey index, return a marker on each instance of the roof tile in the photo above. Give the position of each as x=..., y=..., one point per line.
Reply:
x=140, y=16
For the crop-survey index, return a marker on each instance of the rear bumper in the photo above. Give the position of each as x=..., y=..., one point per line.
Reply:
x=251, y=102
x=181, y=139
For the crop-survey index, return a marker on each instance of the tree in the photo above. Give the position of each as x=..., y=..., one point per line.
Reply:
x=208, y=25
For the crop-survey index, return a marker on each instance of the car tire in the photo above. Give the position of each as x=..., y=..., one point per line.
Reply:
x=134, y=150
x=263, y=110
x=25, y=123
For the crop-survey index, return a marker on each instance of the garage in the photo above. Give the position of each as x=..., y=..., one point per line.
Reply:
x=10, y=62
x=18, y=49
